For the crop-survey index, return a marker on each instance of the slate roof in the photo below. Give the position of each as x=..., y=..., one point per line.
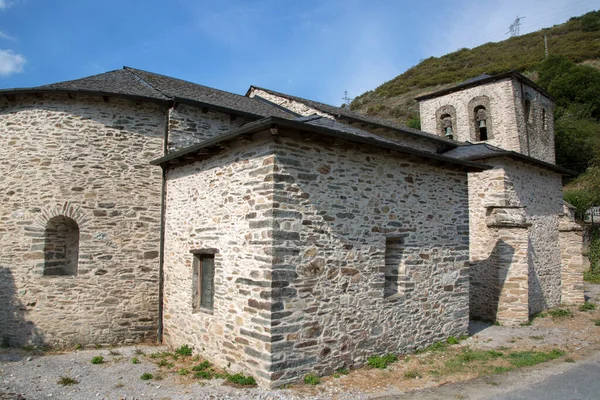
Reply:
x=321, y=126
x=346, y=113
x=135, y=83
x=482, y=151
x=184, y=91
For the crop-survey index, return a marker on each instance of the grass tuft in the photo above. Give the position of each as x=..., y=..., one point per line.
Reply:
x=587, y=306
x=240, y=379
x=560, y=313
x=135, y=360
x=97, y=360
x=67, y=381
x=381, y=362
x=312, y=379
x=528, y=358
x=146, y=376
x=184, y=350
x=412, y=374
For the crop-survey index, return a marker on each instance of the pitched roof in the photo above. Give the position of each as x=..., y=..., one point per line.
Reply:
x=485, y=78
x=118, y=82
x=184, y=91
x=346, y=113
x=135, y=83
x=482, y=151
x=317, y=125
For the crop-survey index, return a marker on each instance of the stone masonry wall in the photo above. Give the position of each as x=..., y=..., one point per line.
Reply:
x=535, y=191
x=501, y=113
x=540, y=192
x=84, y=158
x=224, y=203
x=189, y=125
x=336, y=210
x=537, y=130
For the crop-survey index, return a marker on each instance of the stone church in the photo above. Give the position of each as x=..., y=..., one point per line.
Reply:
x=276, y=235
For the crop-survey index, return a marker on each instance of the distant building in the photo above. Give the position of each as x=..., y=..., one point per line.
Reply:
x=279, y=236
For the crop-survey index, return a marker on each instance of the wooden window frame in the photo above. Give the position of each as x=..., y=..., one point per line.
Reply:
x=198, y=277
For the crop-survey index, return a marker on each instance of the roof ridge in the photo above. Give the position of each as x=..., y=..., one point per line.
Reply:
x=182, y=80
x=144, y=82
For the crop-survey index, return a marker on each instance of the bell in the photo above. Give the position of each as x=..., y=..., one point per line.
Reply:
x=449, y=132
x=482, y=123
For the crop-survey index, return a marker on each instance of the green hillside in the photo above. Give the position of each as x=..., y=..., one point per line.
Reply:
x=578, y=40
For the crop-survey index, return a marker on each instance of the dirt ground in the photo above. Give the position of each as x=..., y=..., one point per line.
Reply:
x=489, y=351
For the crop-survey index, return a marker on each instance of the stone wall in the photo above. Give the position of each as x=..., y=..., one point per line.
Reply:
x=338, y=213
x=537, y=193
x=85, y=159
x=537, y=127
x=223, y=203
x=189, y=125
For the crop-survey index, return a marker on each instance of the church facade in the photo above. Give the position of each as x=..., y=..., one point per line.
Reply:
x=276, y=234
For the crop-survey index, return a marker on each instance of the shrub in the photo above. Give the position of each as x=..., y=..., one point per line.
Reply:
x=97, y=360
x=312, y=379
x=587, y=306
x=240, y=379
x=184, y=350
x=146, y=376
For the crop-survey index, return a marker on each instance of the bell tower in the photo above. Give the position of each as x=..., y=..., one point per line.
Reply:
x=508, y=111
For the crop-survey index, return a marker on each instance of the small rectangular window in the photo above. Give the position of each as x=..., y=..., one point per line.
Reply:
x=203, y=282
x=394, y=268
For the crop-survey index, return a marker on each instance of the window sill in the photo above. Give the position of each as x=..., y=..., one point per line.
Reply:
x=203, y=311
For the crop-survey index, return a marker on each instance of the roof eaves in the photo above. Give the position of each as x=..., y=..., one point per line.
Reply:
x=523, y=157
x=286, y=123
x=464, y=85
x=83, y=91
x=358, y=118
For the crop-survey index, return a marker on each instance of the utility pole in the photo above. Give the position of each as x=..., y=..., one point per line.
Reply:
x=346, y=99
x=546, y=45
x=513, y=29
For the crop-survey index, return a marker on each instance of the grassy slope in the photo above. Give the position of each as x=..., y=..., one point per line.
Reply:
x=395, y=99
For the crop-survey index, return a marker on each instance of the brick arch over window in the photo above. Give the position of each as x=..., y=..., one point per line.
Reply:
x=444, y=111
x=61, y=246
x=478, y=107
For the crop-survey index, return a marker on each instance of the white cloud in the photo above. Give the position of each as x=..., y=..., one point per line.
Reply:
x=10, y=62
x=6, y=36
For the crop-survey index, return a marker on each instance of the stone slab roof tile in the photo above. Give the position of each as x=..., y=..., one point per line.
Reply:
x=181, y=90
x=118, y=82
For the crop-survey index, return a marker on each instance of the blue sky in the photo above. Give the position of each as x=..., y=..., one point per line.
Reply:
x=315, y=49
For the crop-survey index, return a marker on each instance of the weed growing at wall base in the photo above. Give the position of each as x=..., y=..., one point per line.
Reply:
x=312, y=379
x=381, y=362
x=240, y=379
